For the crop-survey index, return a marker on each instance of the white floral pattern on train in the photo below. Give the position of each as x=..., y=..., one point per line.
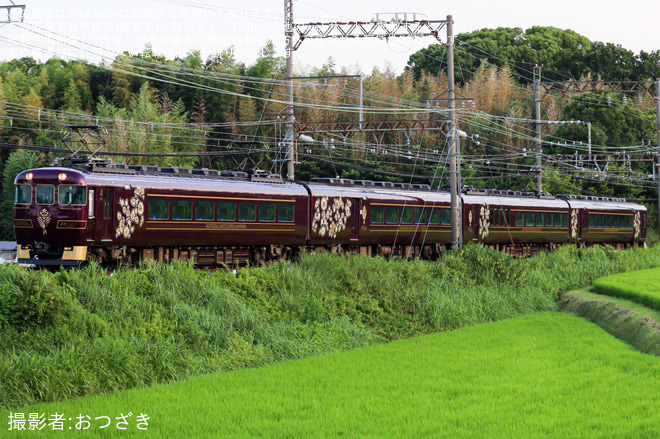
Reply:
x=131, y=214
x=574, y=223
x=484, y=221
x=330, y=215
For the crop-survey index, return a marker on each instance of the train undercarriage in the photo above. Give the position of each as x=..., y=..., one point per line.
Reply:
x=236, y=256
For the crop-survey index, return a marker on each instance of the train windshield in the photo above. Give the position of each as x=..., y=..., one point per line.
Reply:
x=23, y=194
x=72, y=194
x=45, y=194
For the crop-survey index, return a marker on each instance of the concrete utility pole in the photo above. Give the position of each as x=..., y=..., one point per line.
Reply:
x=288, y=137
x=657, y=110
x=453, y=140
x=539, y=151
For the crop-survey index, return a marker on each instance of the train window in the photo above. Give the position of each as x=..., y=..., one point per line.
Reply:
x=445, y=217
x=106, y=195
x=181, y=209
x=629, y=222
x=45, y=194
x=392, y=215
x=23, y=194
x=529, y=218
x=494, y=216
x=226, y=210
x=377, y=214
x=547, y=219
x=72, y=195
x=266, y=211
x=158, y=208
x=599, y=221
x=556, y=219
x=615, y=221
x=407, y=215
x=539, y=218
x=592, y=220
x=607, y=221
x=204, y=210
x=564, y=220
x=247, y=211
x=420, y=215
x=434, y=217
x=520, y=219
x=285, y=211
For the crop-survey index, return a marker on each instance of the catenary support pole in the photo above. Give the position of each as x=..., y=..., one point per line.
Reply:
x=452, y=138
x=288, y=137
x=537, y=101
x=657, y=114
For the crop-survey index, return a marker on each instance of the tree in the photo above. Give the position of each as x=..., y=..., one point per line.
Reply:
x=18, y=161
x=71, y=98
x=558, y=51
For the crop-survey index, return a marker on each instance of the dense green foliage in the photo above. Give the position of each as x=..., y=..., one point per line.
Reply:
x=642, y=287
x=547, y=375
x=89, y=331
x=563, y=54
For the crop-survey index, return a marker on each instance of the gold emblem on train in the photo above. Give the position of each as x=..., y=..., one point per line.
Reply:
x=43, y=218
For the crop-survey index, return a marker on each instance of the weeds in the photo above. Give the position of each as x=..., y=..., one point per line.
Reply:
x=85, y=331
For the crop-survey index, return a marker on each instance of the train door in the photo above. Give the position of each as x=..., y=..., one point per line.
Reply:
x=355, y=219
x=104, y=216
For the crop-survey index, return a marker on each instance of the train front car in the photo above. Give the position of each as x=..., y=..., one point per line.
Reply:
x=51, y=216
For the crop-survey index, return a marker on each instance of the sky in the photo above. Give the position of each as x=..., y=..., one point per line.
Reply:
x=85, y=29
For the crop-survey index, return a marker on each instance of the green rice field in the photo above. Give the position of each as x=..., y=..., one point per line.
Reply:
x=642, y=287
x=545, y=375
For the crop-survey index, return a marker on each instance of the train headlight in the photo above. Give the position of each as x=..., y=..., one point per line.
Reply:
x=61, y=176
x=29, y=176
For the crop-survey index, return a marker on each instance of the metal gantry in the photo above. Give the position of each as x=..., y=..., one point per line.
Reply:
x=398, y=25
x=9, y=9
x=395, y=25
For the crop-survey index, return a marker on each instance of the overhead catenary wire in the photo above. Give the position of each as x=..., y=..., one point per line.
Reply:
x=519, y=132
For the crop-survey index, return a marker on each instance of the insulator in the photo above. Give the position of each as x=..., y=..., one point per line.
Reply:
x=625, y=99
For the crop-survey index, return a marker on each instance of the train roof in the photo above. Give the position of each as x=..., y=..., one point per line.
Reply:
x=183, y=180
x=203, y=179
x=605, y=205
x=513, y=201
x=375, y=190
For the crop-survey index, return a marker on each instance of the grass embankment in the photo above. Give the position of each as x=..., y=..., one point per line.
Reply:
x=642, y=287
x=629, y=321
x=627, y=305
x=546, y=375
x=83, y=332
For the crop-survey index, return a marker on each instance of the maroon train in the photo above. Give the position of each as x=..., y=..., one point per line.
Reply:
x=116, y=213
